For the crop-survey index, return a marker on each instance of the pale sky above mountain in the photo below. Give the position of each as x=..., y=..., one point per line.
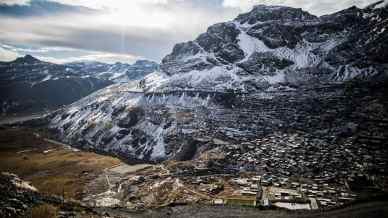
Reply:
x=121, y=30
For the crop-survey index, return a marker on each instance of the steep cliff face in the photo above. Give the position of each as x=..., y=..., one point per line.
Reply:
x=272, y=69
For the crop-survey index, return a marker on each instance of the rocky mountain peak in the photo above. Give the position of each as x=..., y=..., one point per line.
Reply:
x=277, y=44
x=28, y=59
x=264, y=13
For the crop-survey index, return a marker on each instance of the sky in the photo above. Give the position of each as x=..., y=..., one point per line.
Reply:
x=111, y=31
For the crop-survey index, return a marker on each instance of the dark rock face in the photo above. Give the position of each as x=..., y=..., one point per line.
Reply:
x=187, y=151
x=172, y=62
x=132, y=118
x=15, y=200
x=263, y=13
x=266, y=63
x=364, y=47
x=217, y=35
x=277, y=35
x=221, y=39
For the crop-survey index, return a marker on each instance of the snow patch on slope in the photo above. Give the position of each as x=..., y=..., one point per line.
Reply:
x=277, y=78
x=216, y=78
x=250, y=45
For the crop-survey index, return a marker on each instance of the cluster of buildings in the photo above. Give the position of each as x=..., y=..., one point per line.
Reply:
x=281, y=156
x=291, y=171
x=292, y=195
x=264, y=190
x=296, y=172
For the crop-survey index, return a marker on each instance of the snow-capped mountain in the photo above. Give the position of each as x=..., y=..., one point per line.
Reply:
x=271, y=45
x=30, y=85
x=271, y=69
x=118, y=72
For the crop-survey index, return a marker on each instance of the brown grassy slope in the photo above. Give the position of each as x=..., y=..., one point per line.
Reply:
x=59, y=170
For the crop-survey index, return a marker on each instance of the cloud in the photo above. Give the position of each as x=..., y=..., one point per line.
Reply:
x=40, y=8
x=87, y=35
x=148, y=29
x=7, y=55
x=15, y=2
x=112, y=4
x=125, y=28
x=63, y=54
x=28, y=50
x=92, y=56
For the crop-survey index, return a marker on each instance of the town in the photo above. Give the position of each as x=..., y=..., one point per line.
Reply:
x=279, y=171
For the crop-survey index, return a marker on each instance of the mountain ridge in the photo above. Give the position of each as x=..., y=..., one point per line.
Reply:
x=28, y=84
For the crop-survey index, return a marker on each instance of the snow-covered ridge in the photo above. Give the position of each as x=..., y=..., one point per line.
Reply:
x=117, y=72
x=34, y=71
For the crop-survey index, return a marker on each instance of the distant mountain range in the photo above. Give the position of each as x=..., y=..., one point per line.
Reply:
x=272, y=69
x=31, y=85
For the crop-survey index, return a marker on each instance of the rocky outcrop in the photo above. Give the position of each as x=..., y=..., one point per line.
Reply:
x=19, y=199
